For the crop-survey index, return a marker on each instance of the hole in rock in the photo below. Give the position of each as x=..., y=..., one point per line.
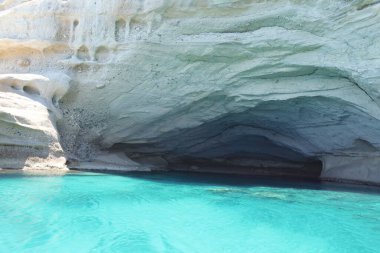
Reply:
x=54, y=100
x=83, y=53
x=30, y=90
x=120, y=26
x=102, y=54
x=75, y=24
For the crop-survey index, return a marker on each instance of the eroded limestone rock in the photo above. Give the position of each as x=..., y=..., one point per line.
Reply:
x=28, y=137
x=244, y=84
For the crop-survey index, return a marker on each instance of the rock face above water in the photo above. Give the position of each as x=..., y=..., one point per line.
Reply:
x=260, y=86
x=28, y=111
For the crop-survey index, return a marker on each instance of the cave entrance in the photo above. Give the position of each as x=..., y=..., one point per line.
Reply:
x=271, y=139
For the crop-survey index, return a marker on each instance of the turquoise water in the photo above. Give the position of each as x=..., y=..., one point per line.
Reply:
x=173, y=212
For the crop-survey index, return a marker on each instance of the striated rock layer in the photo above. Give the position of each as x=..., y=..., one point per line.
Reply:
x=262, y=87
x=28, y=137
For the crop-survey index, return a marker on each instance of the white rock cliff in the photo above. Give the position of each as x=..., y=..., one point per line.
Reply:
x=265, y=87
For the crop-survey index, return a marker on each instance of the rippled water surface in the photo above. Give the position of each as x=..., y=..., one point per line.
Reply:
x=173, y=212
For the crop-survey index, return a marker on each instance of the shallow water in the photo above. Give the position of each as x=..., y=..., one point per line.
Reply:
x=174, y=212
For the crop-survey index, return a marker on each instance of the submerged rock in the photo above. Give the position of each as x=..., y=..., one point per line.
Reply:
x=266, y=87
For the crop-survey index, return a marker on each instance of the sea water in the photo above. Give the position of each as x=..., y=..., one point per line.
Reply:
x=184, y=212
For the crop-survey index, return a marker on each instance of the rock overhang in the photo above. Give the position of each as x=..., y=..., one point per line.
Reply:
x=286, y=82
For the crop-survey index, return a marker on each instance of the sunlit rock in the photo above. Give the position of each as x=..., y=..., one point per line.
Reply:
x=28, y=111
x=259, y=87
